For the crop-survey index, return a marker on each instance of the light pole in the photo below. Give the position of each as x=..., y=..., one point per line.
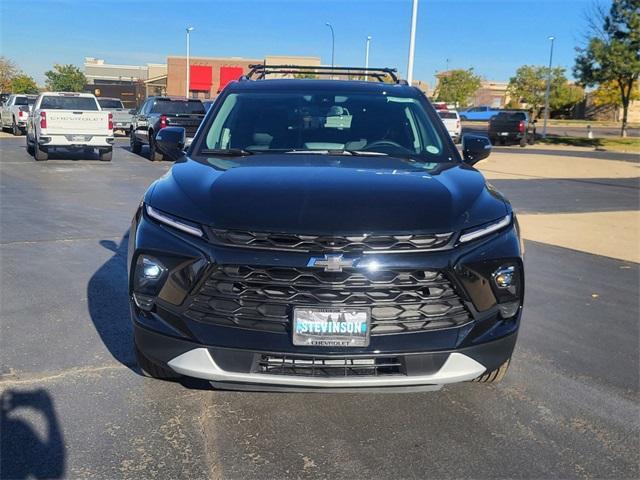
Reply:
x=366, y=57
x=333, y=45
x=546, y=95
x=412, y=41
x=189, y=30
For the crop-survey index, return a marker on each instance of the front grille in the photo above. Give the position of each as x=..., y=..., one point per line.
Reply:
x=262, y=298
x=329, y=243
x=325, y=367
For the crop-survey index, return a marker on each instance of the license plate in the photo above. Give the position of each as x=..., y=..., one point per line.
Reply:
x=78, y=138
x=331, y=327
x=503, y=134
x=118, y=124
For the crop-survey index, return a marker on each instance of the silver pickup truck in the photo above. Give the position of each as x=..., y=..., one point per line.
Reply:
x=121, y=116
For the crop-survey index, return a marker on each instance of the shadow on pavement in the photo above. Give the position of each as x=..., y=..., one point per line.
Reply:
x=31, y=440
x=605, y=155
x=107, y=297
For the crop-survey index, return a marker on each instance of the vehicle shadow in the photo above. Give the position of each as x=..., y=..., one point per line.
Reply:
x=31, y=440
x=107, y=298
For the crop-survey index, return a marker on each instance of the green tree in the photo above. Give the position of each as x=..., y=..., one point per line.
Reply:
x=457, y=86
x=530, y=83
x=612, y=53
x=8, y=70
x=23, y=84
x=65, y=78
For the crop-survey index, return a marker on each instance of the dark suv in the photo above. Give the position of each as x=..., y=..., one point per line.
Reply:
x=159, y=112
x=324, y=234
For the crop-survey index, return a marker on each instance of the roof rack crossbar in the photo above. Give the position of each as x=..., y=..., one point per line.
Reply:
x=260, y=71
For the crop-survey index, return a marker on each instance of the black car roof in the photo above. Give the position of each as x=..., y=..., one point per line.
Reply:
x=286, y=84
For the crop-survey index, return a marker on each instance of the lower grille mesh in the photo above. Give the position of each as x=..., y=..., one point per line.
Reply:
x=335, y=367
x=262, y=298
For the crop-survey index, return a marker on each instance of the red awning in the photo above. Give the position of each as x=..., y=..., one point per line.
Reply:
x=200, y=78
x=229, y=74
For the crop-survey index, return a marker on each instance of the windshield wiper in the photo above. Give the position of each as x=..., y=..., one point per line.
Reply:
x=338, y=151
x=231, y=152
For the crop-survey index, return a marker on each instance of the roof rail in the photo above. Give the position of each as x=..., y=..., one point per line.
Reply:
x=260, y=71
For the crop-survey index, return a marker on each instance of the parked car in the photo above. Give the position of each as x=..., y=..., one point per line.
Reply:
x=512, y=127
x=482, y=113
x=451, y=120
x=71, y=121
x=14, y=113
x=121, y=116
x=161, y=112
x=284, y=252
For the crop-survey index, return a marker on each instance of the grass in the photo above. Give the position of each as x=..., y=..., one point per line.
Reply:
x=593, y=123
x=629, y=144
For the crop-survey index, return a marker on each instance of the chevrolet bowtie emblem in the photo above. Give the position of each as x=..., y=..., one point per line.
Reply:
x=331, y=262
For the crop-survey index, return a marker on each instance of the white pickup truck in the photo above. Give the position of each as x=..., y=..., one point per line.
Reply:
x=15, y=112
x=72, y=121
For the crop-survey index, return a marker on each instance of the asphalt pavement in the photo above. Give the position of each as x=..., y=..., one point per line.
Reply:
x=74, y=405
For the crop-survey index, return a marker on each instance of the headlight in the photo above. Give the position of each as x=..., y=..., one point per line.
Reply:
x=173, y=222
x=484, y=230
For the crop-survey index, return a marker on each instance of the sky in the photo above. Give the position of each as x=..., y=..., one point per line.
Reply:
x=492, y=37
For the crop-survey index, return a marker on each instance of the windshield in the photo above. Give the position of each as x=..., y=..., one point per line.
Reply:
x=511, y=116
x=107, y=103
x=51, y=102
x=177, y=106
x=326, y=122
x=21, y=101
x=447, y=115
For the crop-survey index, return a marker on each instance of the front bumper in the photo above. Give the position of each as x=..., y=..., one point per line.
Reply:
x=239, y=369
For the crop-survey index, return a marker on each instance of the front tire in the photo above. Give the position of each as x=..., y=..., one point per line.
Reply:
x=150, y=369
x=106, y=154
x=496, y=375
x=136, y=146
x=41, y=154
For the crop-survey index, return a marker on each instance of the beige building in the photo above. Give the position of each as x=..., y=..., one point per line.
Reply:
x=492, y=94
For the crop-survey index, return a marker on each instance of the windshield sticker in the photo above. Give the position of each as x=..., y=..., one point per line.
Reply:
x=433, y=150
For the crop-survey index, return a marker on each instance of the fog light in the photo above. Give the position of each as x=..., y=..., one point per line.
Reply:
x=149, y=275
x=151, y=269
x=508, y=310
x=143, y=302
x=503, y=277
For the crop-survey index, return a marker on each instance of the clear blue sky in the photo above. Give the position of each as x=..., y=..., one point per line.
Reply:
x=493, y=37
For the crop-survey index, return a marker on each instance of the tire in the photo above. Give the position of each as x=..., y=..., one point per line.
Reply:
x=15, y=129
x=150, y=369
x=30, y=149
x=496, y=375
x=105, y=154
x=136, y=146
x=532, y=139
x=154, y=154
x=40, y=154
x=523, y=142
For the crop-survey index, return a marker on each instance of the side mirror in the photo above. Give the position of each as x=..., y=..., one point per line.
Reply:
x=170, y=141
x=475, y=148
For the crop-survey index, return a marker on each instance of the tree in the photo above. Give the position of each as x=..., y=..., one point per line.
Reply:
x=529, y=86
x=23, y=84
x=65, y=78
x=457, y=86
x=612, y=52
x=8, y=70
x=608, y=94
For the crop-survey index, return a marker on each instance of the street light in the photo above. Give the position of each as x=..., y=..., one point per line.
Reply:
x=546, y=95
x=412, y=41
x=189, y=30
x=333, y=45
x=366, y=58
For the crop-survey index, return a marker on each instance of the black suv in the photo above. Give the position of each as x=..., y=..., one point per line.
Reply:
x=324, y=235
x=159, y=112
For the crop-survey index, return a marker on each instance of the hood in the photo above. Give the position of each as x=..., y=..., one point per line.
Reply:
x=320, y=194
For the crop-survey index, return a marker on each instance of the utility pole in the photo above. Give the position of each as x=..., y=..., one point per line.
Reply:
x=189, y=30
x=546, y=95
x=412, y=41
x=366, y=58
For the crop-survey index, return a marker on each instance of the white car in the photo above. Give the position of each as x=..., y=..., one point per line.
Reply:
x=451, y=121
x=14, y=113
x=72, y=121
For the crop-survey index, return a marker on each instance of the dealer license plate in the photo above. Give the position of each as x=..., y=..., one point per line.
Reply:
x=503, y=134
x=78, y=138
x=331, y=327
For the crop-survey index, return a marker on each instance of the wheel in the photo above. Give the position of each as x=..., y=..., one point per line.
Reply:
x=523, y=142
x=494, y=375
x=150, y=369
x=15, y=129
x=41, y=153
x=136, y=146
x=105, y=154
x=154, y=154
x=30, y=149
x=532, y=139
